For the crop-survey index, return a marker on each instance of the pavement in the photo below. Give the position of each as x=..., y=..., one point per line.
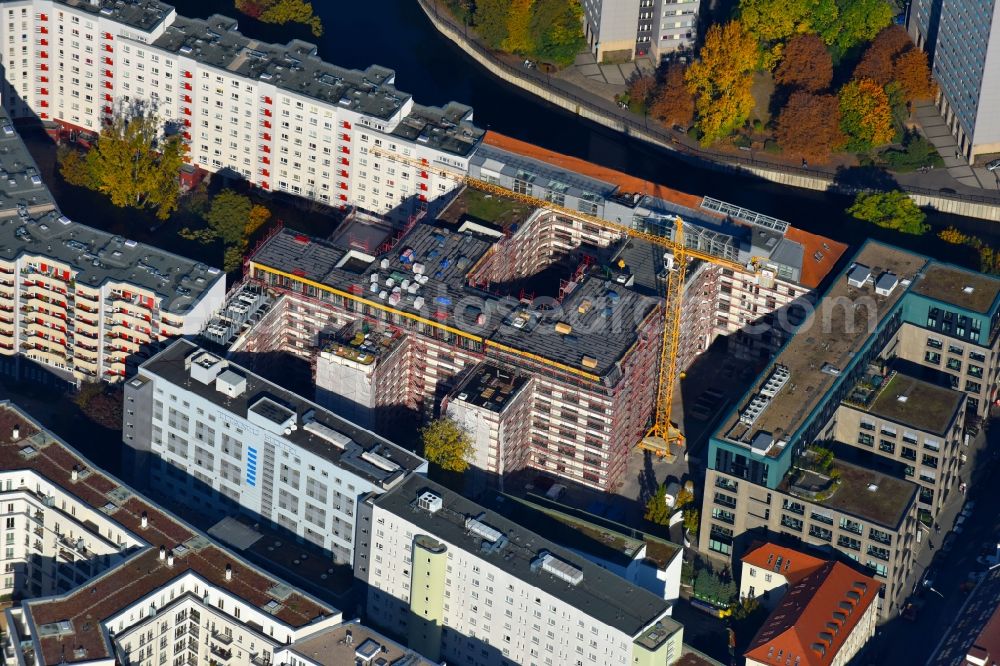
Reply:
x=604, y=80
x=937, y=132
x=901, y=642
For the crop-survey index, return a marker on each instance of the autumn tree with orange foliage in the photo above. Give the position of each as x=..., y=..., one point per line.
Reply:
x=809, y=126
x=673, y=104
x=893, y=56
x=865, y=115
x=640, y=89
x=877, y=62
x=806, y=64
x=721, y=78
x=914, y=75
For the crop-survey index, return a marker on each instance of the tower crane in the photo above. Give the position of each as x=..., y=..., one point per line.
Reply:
x=663, y=434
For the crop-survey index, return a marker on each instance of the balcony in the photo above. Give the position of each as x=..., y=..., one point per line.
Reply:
x=222, y=638
x=221, y=654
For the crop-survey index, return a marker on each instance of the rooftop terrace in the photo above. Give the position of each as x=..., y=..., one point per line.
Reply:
x=604, y=596
x=144, y=572
x=824, y=346
x=490, y=387
x=344, y=643
x=278, y=405
x=30, y=224
x=861, y=492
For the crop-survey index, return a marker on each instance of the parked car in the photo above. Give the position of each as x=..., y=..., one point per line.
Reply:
x=993, y=165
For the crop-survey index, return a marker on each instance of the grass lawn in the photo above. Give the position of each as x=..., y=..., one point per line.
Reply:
x=762, y=89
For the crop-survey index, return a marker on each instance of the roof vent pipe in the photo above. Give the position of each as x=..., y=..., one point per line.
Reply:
x=229, y=572
x=145, y=520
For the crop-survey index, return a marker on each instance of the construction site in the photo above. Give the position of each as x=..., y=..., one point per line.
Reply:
x=540, y=327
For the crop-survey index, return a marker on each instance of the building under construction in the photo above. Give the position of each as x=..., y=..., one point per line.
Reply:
x=540, y=329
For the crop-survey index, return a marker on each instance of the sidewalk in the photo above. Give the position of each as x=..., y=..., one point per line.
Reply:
x=937, y=132
x=604, y=80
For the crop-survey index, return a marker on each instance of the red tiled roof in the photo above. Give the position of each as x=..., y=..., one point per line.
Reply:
x=625, y=182
x=788, y=562
x=820, y=256
x=95, y=601
x=821, y=609
x=986, y=647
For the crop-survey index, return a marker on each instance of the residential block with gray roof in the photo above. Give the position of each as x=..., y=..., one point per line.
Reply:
x=85, y=304
x=462, y=583
x=218, y=438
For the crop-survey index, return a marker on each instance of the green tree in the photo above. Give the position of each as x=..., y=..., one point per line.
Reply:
x=890, y=210
x=692, y=520
x=775, y=20
x=859, y=21
x=76, y=167
x=720, y=80
x=135, y=164
x=446, y=445
x=657, y=510
x=518, y=39
x=557, y=30
x=281, y=12
x=228, y=215
x=866, y=115
x=491, y=21
x=231, y=218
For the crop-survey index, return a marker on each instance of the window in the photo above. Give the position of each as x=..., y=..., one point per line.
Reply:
x=934, y=343
x=886, y=446
x=866, y=439
x=932, y=357
x=954, y=364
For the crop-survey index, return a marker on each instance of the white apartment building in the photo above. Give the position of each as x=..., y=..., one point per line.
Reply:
x=623, y=29
x=100, y=575
x=212, y=435
x=85, y=304
x=464, y=584
x=276, y=114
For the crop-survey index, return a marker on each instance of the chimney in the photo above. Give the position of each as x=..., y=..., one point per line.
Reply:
x=145, y=520
x=170, y=559
x=15, y=434
x=229, y=572
x=163, y=553
x=75, y=474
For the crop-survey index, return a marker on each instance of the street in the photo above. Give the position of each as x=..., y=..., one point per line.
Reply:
x=905, y=643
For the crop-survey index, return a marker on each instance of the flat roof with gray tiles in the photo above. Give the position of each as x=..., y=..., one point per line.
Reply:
x=170, y=365
x=145, y=15
x=297, y=68
x=591, y=330
x=602, y=595
x=31, y=224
